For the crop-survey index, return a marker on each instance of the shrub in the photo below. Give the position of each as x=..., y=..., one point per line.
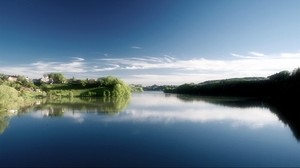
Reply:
x=9, y=98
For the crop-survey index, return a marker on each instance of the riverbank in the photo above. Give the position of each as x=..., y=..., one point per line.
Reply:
x=281, y=84
x=16, y=94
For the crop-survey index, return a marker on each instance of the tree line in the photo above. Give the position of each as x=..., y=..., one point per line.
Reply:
x=56, y=85
x=283, y=83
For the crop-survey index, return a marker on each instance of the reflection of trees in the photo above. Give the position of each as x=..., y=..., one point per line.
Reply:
x=10, y=104
x=225, y=101
x=105, y=105
x=4, y=120
x=56, y=108
x=287, y=109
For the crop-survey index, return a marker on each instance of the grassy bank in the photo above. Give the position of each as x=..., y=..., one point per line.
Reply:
x=107, y=87
x=15, y=94
x=12, y=99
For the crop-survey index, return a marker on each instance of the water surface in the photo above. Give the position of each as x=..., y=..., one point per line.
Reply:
x=150, y=129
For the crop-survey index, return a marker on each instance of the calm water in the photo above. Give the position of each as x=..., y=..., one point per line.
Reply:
x=150, y=129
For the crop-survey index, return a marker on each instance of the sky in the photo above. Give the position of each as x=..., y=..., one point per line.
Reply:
x=149, y=41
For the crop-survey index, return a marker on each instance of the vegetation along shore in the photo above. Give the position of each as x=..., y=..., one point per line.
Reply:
x=281, y=84
x=17, y=91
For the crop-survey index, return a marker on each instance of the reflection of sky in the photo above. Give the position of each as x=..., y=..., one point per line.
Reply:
x=156, y=107
x=76, y=115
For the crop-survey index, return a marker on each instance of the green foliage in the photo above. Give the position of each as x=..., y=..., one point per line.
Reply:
x=116, y=87
x=4, y=121
x=110, y=87
x=71, y=94
x=107, y=105
x=136, y=88
x=57, y=77
x=277, y=85
x=83, y=83
x=9, y=98
x=158, y=87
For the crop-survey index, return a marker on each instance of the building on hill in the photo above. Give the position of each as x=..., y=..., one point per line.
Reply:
x=44, y=79
x=12, y=78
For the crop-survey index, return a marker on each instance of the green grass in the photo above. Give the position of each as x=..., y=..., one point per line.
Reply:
x=66, y=90
x=93, y=92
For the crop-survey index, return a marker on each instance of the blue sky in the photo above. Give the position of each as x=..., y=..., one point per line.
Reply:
x=149, y=41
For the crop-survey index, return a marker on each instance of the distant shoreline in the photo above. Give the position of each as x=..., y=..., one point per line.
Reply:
x=281, y=84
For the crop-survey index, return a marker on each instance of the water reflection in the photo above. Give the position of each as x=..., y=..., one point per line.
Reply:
x=70, y=108
x=4, y=120
x=150, y=107
x=168, y=108
x=287, y=109
x=57, y=108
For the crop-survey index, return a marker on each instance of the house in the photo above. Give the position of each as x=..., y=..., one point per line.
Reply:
x=44, y=79
x=12, y=78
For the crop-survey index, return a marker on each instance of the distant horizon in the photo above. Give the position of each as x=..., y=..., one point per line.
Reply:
x=150, y=84
x=163, y=42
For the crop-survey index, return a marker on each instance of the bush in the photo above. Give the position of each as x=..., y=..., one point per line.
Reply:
x=9, y=98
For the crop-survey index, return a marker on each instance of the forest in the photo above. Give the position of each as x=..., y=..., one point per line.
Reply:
x=280, y=84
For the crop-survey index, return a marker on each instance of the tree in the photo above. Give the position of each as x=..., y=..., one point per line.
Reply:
x=83, y=83
x=280, y=76
x=9, y=98
x=116, y=86
x=57, y=77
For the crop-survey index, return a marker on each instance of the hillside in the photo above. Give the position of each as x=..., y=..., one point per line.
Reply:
x=280, y=84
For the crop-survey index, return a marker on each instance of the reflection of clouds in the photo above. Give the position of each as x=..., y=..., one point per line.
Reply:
x=253, y=117
x=40, y=113
x=156, y=107
x=78, y=117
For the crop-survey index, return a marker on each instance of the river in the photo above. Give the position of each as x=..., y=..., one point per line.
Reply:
x=149, y=129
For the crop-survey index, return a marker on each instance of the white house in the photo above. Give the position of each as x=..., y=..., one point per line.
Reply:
x=12, y=78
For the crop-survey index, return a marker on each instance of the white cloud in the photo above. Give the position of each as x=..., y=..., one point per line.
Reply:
x=113, y=67
x=136, y=47
x=37, y=69
x=74, y=66
x=78, y=58
x=251, y=55
x=257, y=54
x=290, y=55
x=164, y=69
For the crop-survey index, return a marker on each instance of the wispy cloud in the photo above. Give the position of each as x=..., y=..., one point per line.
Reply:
x=164, y=69
x=78, y=59
x=257, y=54
x=112, y=67
x=72, y=66
x=37, y=69
x=290, y=55
x=136, y=47
x=250, y=55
